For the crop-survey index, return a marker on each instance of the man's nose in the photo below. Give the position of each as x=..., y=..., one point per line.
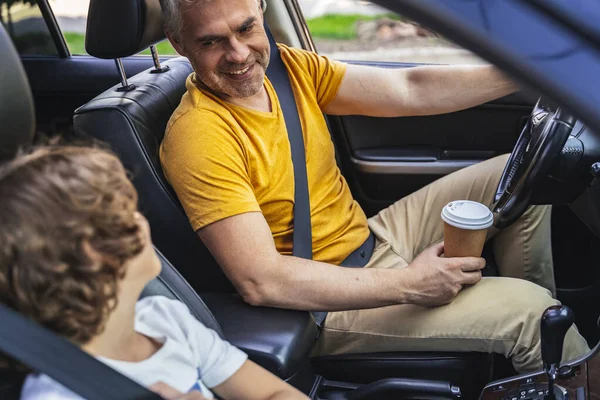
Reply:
x=238, y=52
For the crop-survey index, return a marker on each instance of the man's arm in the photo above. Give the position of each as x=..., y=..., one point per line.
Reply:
x=429, y=90
x=244, y=248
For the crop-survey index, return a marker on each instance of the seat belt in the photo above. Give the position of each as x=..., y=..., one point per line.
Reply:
x=53, y=355
x=302, y=235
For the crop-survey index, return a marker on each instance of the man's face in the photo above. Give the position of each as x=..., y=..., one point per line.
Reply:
x=227, y=46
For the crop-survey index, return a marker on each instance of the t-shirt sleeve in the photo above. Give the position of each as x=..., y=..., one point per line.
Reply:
x=325, y=73
x=206, y=164
x=42, y=387
x=217, y=359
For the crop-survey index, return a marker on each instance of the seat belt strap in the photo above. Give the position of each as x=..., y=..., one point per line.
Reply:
x=277, y=73
x=53, y=355
x=302, y=235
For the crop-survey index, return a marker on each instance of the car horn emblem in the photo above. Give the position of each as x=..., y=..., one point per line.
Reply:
x=539, y=117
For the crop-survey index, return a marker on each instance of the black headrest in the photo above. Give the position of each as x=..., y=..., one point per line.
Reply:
x=17, y=116
x=122, y=28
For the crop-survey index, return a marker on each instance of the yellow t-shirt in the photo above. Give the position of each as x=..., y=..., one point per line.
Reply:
x=224, y=160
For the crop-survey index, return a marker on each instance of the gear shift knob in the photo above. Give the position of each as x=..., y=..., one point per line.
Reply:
x=556, y=321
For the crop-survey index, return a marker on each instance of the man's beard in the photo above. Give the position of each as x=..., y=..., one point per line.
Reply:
x=219, y=84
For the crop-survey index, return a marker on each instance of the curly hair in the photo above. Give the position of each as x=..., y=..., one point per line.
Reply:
x=67, y=227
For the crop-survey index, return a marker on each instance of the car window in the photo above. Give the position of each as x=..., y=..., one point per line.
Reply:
x=71, y=16
x=23, y=21
x=362, y=31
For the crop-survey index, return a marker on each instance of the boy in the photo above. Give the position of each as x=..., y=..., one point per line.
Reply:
x=75, y=255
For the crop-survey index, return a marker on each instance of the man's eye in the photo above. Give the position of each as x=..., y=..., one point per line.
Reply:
x=246, y=29
x=208, y=43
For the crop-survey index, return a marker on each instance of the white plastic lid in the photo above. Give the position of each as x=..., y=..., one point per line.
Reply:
x=466, y=214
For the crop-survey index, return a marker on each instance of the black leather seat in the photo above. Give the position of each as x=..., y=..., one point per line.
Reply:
x=17, y=116
x=133, y=123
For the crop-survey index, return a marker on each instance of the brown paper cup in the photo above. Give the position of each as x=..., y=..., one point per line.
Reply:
x=463, y=242
x=465, y=228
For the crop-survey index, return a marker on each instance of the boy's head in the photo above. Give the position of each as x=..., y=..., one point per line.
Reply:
x=70, y=236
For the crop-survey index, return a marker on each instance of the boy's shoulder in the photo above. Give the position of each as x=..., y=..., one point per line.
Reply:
x=160, y=304
x=165, y=317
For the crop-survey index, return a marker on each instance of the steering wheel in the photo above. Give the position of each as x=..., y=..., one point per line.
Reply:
x=531, y=160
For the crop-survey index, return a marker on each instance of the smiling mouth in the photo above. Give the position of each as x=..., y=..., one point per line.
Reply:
x=240, y=72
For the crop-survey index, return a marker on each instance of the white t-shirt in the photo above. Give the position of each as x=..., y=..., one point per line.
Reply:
x=192, y=356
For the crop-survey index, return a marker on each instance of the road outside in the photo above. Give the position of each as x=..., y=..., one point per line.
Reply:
x=71, y=15
x=408, y=50
x=317, y=8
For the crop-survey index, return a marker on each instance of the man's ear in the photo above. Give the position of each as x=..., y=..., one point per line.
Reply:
x=263, y=5
x=176, y=44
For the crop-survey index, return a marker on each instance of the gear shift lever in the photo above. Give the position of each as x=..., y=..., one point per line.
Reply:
x=556, y=321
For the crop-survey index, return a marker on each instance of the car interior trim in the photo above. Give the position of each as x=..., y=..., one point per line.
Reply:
x=411, y=168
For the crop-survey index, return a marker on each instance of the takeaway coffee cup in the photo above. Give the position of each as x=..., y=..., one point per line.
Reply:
x=465, y=228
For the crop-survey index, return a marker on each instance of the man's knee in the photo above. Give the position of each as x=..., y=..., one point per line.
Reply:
x=528, y=302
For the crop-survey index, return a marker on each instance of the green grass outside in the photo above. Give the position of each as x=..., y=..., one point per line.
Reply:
x=76, y=44
x=338, y=26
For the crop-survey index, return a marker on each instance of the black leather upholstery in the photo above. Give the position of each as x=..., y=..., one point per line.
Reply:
x=133, y=124
x=17, y=116
x=278, y=340
x=281, y=339
x=118, y=28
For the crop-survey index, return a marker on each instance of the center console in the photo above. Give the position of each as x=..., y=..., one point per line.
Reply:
x=575, y=380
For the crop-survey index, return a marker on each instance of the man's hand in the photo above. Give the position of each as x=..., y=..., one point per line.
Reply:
x=435, y=281
x=168, y=393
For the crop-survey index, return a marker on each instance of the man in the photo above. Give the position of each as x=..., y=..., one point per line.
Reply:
x=227, y=155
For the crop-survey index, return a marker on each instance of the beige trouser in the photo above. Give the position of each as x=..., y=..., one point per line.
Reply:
x=499, y=314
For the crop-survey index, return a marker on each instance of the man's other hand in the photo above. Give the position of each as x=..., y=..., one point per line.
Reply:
x=434, y=280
